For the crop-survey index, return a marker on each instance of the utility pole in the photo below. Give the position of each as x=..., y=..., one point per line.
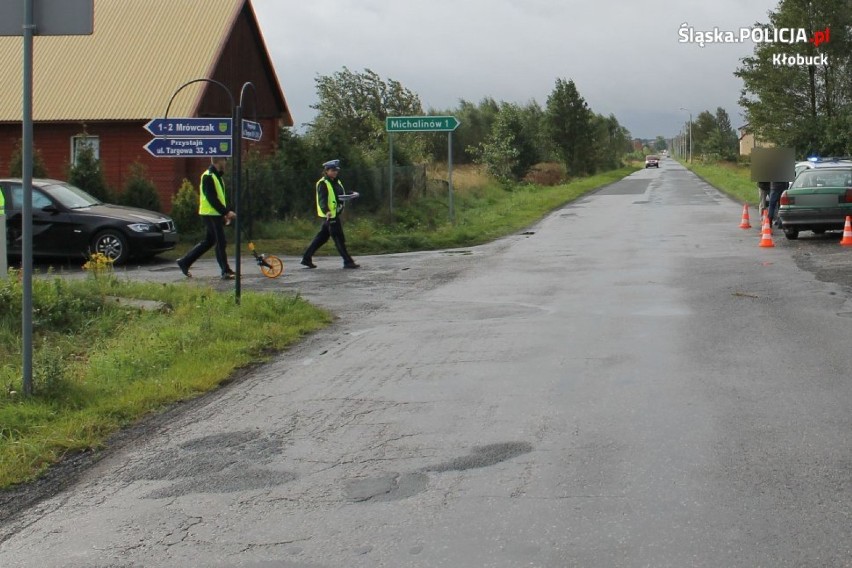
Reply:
x=690, y=132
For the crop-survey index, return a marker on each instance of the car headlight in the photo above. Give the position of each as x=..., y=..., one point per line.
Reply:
x=142, y=227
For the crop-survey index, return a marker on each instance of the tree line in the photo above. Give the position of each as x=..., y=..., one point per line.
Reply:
x=713, y=137
x=507, y=138
x=804, y=106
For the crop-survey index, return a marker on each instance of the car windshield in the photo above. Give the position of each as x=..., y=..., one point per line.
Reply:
x=70, y=196
x=824, y=178
x=651, y=158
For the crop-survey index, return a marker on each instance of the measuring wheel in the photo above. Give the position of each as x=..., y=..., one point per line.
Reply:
x=271, y=266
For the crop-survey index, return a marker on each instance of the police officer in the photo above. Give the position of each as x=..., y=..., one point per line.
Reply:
x=213, y=209
x=327, y=189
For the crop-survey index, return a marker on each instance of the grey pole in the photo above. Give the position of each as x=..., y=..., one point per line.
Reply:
x=690, y=132
x=236, y=170
x=690, y=137
x=450, y=172
x=390, y=183
x=27, y=212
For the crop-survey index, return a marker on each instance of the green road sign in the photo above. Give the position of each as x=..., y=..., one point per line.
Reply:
x=421, y=123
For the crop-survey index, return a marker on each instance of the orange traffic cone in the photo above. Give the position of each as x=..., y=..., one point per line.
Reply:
x=746, y=224
x=766, y=232
x=847, y=232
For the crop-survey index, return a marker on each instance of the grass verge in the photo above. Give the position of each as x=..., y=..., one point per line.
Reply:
x=99, y=367
x=732, y=179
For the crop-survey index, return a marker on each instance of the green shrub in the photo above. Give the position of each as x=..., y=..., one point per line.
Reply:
x=87, y=175
x=139, y=191
x=185, y=209
x=16, y=165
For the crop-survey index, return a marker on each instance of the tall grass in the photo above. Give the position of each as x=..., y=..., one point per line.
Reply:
x=99, y=366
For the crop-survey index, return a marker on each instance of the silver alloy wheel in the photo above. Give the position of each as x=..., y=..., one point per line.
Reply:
x=113, y=245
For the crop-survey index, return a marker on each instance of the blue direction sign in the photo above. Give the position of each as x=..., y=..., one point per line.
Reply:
x=190, y=127
x=189, y=147
x=252, y=130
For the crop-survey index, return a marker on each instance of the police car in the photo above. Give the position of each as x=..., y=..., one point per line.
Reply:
x=819, y=199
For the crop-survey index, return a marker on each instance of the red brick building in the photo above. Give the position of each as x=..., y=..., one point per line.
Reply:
x=101, y=89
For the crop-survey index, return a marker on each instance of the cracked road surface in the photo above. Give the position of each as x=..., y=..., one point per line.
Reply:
x=632, y=382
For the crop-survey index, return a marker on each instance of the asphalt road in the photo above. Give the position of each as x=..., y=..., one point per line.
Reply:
x=632, y=383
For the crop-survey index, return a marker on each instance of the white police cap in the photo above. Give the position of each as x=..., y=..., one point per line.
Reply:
x=331, y=165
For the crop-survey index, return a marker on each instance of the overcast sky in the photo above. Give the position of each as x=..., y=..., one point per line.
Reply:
x=623, y=55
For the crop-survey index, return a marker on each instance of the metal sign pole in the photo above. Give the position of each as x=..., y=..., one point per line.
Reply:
x=424, y=124
x=450, y=173
x=236, y=169
x=54, y=17
x=254, y=134
x=390, y=182
x=27, y=210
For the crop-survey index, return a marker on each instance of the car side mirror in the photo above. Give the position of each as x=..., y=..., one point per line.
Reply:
x=50, y=209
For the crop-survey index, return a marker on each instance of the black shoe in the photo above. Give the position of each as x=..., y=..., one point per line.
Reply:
x=351, y=265
x=229, y=272
x=227, y=276
x=183, y=268
x=308, y=264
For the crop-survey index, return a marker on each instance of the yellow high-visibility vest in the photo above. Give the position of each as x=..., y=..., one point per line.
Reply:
x=204, y=207
x=332, y=198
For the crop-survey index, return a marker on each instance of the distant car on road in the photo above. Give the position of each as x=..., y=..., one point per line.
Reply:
x=652, y=161
x=818, y=200
x=69, y=222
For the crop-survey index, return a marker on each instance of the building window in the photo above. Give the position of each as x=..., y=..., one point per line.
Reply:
x=80, y=142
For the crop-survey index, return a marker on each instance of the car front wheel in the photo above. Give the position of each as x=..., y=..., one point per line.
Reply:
x=113, y=245
x=791, y=234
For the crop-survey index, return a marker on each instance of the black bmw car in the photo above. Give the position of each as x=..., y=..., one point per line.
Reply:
x=69, y=222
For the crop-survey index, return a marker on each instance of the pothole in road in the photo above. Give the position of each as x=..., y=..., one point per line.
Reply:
x=395, y=486
x=236, y=479
x=219, y=463
x=389, y=487
x=484, y=456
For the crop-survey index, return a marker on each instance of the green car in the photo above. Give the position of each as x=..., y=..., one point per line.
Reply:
x=818, y=200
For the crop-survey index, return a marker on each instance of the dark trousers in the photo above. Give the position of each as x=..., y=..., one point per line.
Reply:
x=774, y=199
x=215, y=236
x=333, y=229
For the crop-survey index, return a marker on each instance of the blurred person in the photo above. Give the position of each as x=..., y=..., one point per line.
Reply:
x=776, y=188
